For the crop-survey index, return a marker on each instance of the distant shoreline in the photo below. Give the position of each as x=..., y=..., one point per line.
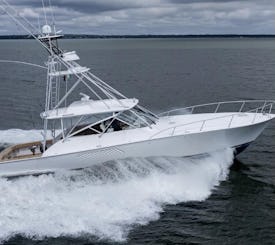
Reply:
x=86, y=36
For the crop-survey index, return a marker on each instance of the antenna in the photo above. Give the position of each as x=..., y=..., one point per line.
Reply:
x=18, y=19
x=38, y=20
x=45, y=15
x=53, y=20
x=24, y=63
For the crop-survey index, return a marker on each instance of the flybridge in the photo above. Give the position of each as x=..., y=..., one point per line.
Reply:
x=90, y=107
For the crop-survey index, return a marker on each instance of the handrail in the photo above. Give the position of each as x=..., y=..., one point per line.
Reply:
x=267, y=104
x=243, y=102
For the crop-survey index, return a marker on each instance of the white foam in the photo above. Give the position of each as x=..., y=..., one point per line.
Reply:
x=15, y=136
x=107, y=200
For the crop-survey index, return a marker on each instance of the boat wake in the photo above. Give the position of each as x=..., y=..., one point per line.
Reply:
x=17, y=136
x=107, y=200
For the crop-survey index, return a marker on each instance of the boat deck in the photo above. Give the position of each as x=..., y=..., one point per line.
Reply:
x=22, y=151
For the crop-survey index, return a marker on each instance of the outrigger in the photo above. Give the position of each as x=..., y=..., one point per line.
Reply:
x=103, y=124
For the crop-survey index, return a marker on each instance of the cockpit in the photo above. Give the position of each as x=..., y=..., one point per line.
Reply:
x=105, y=123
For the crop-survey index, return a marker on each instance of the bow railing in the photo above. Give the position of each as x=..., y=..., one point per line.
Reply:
x=265, y=108
x=217, y=107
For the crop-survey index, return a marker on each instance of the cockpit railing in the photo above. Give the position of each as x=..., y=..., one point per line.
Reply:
x=266, y=108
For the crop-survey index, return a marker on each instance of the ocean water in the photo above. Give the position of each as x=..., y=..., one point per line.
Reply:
x=209, y=200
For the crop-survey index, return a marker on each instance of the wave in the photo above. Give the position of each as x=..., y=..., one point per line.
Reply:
x=106, y=200
x=17, y=136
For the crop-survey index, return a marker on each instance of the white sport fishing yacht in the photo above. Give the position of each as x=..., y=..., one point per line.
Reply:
x=105, y=125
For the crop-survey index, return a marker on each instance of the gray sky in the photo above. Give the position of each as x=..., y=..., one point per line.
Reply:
x=149, y=16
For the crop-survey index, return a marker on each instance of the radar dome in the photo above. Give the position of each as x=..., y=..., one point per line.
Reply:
x=46, y=29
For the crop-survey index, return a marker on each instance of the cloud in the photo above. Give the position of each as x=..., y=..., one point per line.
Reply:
x=152, y=16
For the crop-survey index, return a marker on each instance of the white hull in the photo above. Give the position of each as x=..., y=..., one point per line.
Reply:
x=180, y=145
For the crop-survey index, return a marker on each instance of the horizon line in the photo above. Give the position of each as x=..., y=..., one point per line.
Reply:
x=70, y=35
